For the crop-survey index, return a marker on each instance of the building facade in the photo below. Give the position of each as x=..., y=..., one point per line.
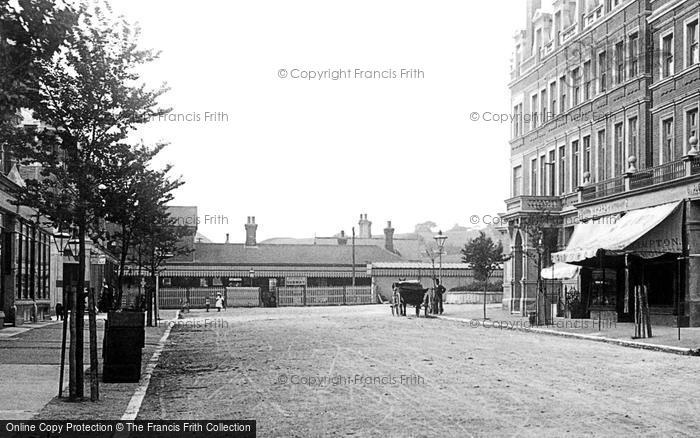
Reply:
x=605, y=173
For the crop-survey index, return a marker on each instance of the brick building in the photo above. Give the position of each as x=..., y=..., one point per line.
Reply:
x=604, y=158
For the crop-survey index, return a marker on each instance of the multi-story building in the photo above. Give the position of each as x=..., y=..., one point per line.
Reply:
x=604, y=162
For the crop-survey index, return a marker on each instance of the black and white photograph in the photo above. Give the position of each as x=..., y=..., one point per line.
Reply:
x=369, y=218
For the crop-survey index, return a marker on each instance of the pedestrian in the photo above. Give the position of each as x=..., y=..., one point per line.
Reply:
x=219, y=303
x=439, y=293
x=206, y=303
x=59, y=312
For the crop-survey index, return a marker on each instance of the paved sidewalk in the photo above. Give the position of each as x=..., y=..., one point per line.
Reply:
x=664, y=338
x=30, y=360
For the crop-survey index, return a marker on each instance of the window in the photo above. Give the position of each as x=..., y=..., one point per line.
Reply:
x=602, y=72
x=587, y=80
x=633, y=55
x=618, y=141
x=533, y=110
x=575, y=164
x=551, y=172
x=562, y=170
x=533, y=177
x=517, y=180
x=562, y=94
x=691, y=123
x=603, y=161
x=619, y=62
x=667, y=56
x=691, y=43
x=543, y=175
x=517, y=120
x=587, y=154
x=576, y=77
x=632, y=138
x=667, y=141
x=543, y=103
x=553, y=96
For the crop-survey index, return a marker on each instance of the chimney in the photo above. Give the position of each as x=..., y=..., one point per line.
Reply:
x=250, y=230
x=342, y=239
x=365, y=227
x=226, y=237
x=389, y=237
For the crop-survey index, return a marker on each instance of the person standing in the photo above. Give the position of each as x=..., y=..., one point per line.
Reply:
x=206, y=303
x=219, y=303
x=439, y=292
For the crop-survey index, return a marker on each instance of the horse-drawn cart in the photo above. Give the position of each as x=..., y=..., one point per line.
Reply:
x=407, y=293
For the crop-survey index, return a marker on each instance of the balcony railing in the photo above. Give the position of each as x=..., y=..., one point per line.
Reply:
x=547, y=49
x=604, y=188
x=675, y=170
x=534, y=203
x=593, y=16
x=656, y=175
x=568, y=33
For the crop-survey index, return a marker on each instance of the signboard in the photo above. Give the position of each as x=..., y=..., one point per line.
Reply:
x=603, y=209
x=295, y=281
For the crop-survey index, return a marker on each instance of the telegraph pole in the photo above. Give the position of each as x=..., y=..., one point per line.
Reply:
x=353, y=256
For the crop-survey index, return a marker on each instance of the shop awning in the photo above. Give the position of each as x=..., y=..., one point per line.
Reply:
x=647, y=232
x=560, y=271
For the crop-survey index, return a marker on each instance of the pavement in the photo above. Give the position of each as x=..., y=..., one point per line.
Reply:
x=665, y=338
x=30, y=358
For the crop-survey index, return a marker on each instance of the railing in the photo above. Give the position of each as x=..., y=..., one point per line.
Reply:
x=323, y=296
x=547, y=49
x=568, y=33
x=173, y=297
x=604, y=188
x=657, y=175
x=593, y=16
x=569, y=200
x=534, y=203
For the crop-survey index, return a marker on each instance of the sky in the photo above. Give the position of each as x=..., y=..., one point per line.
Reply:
x=260, y=128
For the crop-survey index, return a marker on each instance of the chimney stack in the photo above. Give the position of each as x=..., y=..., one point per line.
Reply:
x=226, y=237
x=389, y=237
x=342, y=239
x=250, y=231
x=365, y=227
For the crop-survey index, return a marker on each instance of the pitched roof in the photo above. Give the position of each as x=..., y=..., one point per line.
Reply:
x=307, y=255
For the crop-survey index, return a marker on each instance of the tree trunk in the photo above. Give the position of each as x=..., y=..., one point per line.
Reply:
x=80, y=312
x=72, y=363
x=94, y=382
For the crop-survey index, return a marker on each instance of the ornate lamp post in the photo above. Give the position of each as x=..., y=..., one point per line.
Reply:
x=440, y=240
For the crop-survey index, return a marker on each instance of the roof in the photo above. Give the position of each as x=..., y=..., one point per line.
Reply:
x=183, y=215
x=306, y=255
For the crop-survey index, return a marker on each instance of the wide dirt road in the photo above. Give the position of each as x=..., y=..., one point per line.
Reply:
x=417, y=377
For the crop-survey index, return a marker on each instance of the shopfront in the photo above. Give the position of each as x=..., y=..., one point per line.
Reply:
x=619, y=254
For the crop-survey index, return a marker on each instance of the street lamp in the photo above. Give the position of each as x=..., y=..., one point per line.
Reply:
x=440, y=240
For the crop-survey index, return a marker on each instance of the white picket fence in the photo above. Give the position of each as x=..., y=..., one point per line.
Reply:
x=323, y=296
x=171, y=297
x=243, y=297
